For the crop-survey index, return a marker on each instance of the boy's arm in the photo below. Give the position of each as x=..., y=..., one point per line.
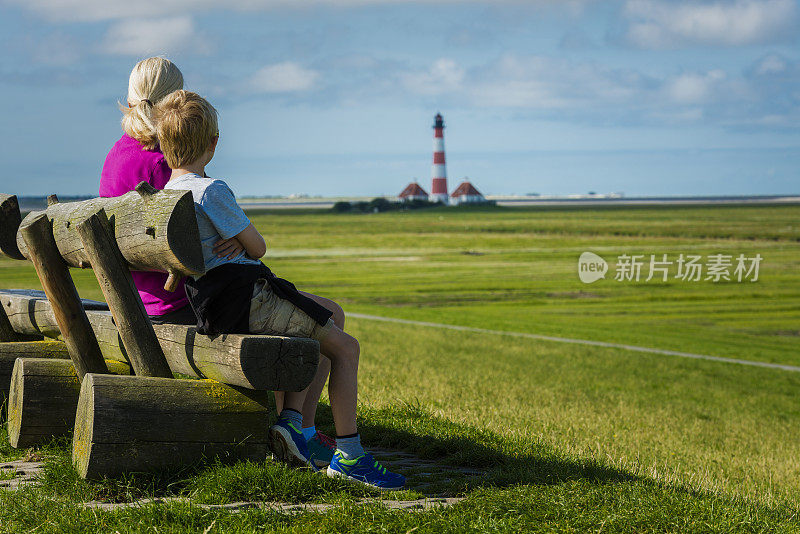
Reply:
x=229, y=248
x=229, y=220
x=252, y=242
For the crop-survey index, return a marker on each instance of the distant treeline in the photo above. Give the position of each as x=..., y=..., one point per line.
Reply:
x=381, y=204
x=39, y=203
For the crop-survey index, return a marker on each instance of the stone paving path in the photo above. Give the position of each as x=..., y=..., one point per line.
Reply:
x=415, y=505
x=421, y=474
x=16, y=474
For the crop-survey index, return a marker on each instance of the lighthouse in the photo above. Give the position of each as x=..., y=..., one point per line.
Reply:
x=438, y=170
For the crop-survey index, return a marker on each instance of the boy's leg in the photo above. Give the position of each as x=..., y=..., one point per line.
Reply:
x=343, y=351
x=350, y=460
x=286, y=438
x=293, y=400
x=309, y=407
x=324, y=368
x=311, y=402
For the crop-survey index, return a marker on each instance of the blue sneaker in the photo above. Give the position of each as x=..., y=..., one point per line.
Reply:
x=366, y=470
x=288, y=445
x=321, y=448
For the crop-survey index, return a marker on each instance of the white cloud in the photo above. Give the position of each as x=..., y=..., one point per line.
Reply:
x=771, y=64
x=519, y=82
x=524, y=82
x=693, y=88
x=444, y=76
x=660, y=24
x=547, y=83
x=140, y=37
x=95, y=10
x=590, y=92
x=283, y=77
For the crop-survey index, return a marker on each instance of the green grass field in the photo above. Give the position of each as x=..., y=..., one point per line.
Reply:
x=570, y=437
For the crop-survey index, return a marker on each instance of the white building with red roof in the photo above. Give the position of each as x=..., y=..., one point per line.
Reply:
x=466, y=193
x=413, y=191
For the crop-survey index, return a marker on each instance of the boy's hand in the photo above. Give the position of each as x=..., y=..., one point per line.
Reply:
x=229, y=248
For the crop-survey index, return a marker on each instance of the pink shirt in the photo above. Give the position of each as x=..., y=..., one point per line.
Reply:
x=126, y=165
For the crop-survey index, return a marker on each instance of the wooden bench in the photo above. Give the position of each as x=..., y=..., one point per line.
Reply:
x=134, y=423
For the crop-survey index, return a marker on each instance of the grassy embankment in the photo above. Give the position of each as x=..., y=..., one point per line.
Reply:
x=571, y=437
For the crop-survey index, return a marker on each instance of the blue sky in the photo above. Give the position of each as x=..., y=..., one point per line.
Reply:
x=645, y=97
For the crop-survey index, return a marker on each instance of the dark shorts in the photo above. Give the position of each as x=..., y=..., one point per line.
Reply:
x=183, y=315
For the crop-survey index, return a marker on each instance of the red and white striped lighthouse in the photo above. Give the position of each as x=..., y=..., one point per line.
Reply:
x=438, y=171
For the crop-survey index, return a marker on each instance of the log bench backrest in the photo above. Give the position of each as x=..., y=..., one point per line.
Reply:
x=155, y=230
x=251, y=361
x=272, y=363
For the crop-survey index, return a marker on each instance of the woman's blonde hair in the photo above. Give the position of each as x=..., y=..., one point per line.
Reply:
x=151, y=80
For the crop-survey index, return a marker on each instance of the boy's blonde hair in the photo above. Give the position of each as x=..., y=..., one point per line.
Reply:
x=185, y=124
x=151, y=80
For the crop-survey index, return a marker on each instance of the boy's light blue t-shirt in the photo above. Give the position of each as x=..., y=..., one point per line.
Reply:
x=218, y=215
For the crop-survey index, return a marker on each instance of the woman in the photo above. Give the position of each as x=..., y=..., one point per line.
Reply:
x=136, y=158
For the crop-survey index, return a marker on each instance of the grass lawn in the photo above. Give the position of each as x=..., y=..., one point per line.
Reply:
x=568, y=437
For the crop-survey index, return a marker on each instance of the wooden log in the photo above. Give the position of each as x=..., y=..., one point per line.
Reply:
x=10, y=352
x=155, y=230
x=6, y=330
x=30, y=313
x=60, y=289
x=272, y=363
x=128, y=424
x=43, y=400
x=10, y=220
x=134, y=327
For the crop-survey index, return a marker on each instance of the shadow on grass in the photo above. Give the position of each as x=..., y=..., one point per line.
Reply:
x=456, y=459
x=485, y=458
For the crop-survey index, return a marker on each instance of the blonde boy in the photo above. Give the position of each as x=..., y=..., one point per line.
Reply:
x=239, y=294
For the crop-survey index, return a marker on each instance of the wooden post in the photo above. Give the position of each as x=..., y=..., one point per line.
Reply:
x=9, y=223
x=43, y=400
x=135, y=329
x=172, y=282
x=60, y=290
x=134, y=423
x=10, y=220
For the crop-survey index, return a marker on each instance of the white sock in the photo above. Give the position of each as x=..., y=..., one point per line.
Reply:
x=309, y=432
